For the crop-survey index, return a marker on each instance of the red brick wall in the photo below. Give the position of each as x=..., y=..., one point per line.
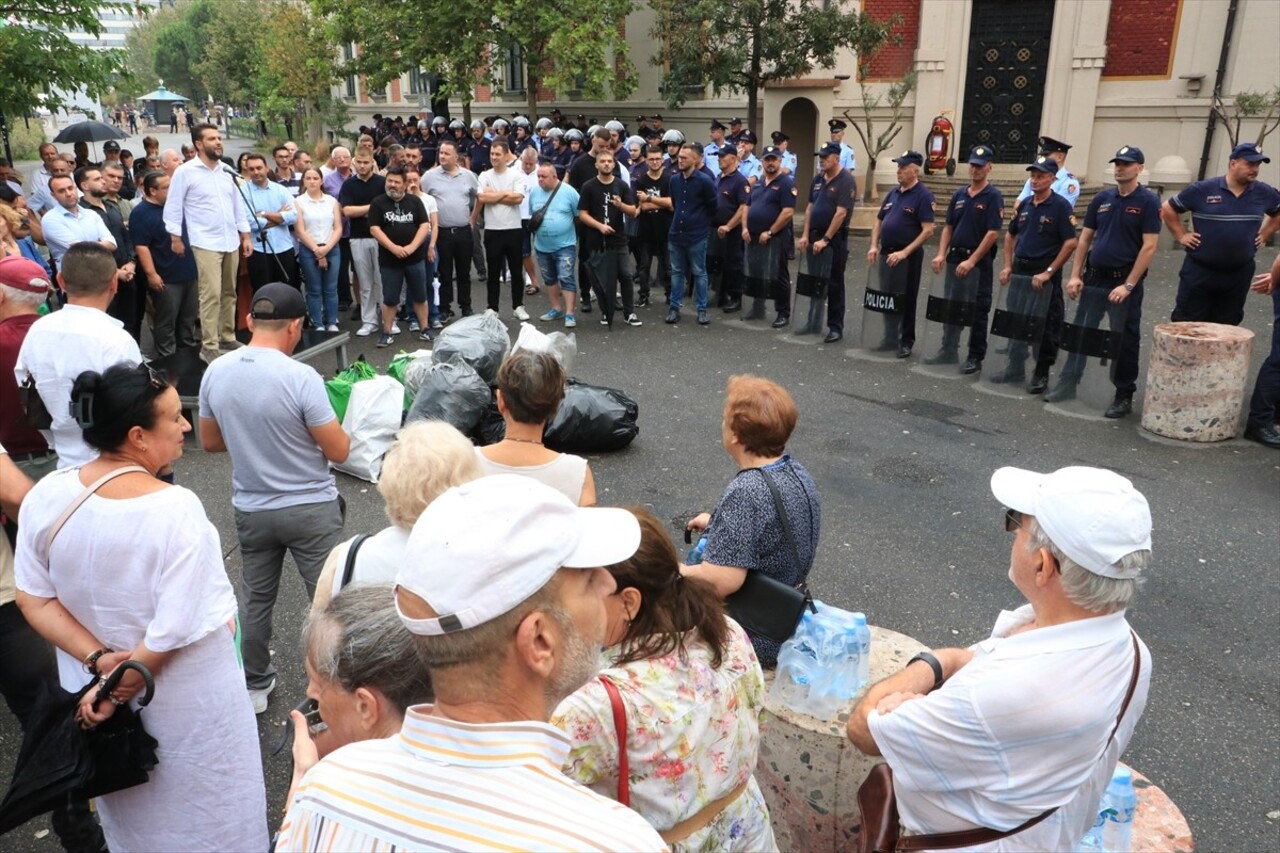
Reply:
x=894, y=60
x=1140, y=38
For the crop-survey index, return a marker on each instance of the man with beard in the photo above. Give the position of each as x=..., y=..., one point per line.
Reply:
x=203, y=196
x=400, y=225
x=271, y=214
x=509, y=623
x=770, y=209
x=604, y=200
x=653, y=189
x=128, y=303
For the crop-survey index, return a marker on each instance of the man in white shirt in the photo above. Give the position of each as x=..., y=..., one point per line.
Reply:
x=68, y=223
x=204, y=194
x=82, y=336
x=1021, y=732
x=41, y=200
x=501, y=192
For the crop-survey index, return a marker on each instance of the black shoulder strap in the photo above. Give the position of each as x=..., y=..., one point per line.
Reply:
x=350, y=566
x=782, y=516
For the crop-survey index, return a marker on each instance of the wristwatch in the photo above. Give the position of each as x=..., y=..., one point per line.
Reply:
x=1129, y=286
x=1049, y=270
x=933, y=662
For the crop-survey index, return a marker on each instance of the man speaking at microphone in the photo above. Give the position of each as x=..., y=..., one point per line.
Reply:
x=204, y=196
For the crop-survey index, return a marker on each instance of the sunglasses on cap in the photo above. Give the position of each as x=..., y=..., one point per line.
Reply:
x=1012, y=520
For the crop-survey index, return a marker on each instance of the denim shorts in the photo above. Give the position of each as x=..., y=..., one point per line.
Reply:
x=560, y=267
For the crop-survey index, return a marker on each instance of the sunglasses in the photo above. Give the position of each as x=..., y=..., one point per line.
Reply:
x=156, y=380
x=1012, y=520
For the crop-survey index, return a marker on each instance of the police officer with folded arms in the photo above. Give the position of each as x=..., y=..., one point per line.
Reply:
x=901, y=228
x=975, y=216
x=1121, y=230
x=1040, y=240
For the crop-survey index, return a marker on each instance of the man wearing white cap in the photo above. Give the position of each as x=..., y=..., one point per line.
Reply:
x=1014, y=739
x=505, y=595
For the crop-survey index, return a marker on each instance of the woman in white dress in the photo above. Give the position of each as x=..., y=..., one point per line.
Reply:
x=136, y=573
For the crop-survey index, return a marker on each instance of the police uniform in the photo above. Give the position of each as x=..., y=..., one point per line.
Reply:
x=711, y=151
x=766, y=202
x=1214, y=280
x=733, y=136
x=788, y=159
x=478, y=155
x=825, y=198
x=902, y=218
x=1065, y=184
x=847, y=158
x=1040, y=230
x=724, y=254
x=971, y=218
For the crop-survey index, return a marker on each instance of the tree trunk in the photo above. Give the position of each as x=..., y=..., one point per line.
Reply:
x=531, y=83
x=872, y=192
x=753, y=89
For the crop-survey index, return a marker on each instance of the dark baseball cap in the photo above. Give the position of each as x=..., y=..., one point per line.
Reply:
x=111, y=145
x=747, y=136
x=981, y=155
x=909, y=158
x=829, y=148
x=1044, y=163
x=278, y=301
x=1249, y=152
x=735, y=120
x=771, y=151
x=728, y=151
x=1129, y=154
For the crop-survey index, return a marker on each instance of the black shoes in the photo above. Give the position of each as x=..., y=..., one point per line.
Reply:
x=642, y=301
x=673, y=316
x=943, y=357
x=1266, y=435
x=732, y=305
x=904, y=351
x=1039, y=382
x=754, y=314
x=832, y=337
x=703, y=319
x=782, y=321
x=1065, y=390
x=1119, y=407
x=971, y=366
x=584, y=306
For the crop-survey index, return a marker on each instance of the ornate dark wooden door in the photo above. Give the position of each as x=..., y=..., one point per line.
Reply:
x=1004, y=86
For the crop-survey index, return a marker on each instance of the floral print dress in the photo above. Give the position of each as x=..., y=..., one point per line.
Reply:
x=693, y=736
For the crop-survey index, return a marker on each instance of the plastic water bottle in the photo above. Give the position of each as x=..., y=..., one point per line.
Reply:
x=851, y=671
x=1118, y=805
x=797, y=665
x=827, y=689
x=864, y=652
x=695, y=556
x=1092, y=841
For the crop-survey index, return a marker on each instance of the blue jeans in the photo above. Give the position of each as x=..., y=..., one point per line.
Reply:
x=558, y=267
x=321, y=285
x=688, y=261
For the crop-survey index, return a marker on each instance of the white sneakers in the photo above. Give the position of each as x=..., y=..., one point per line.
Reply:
x=259, y=697
x=366, y=330
x=521, y=314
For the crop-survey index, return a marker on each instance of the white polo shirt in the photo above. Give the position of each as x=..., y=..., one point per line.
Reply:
x=63, y=227
x=1018, y=730
x=209, y=200
x=502, y=217
x=58, y=348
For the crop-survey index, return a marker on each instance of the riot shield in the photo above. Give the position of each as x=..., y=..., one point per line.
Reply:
x=882, y=306
x=1091, y=344
x=761, y=264
x=811, y=282
x=949, y=315
x=1017, y=328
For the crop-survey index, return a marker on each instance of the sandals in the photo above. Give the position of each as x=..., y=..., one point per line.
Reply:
x=531, y=289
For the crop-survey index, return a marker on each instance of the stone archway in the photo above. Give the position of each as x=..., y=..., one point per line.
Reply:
x=799, y=120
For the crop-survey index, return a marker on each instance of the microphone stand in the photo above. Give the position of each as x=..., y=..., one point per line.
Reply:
x=262, y=230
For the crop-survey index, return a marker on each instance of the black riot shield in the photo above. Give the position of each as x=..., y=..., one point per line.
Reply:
x=1017, y=327
x=1091, y=342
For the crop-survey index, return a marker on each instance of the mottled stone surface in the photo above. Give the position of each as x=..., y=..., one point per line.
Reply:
x=809, y=773
x=1196, y=380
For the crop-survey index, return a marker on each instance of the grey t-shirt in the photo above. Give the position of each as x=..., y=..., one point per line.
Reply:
x=265, y=404
x=455, y=194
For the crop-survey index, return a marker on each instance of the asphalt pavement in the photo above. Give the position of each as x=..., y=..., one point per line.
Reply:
x=911, y=533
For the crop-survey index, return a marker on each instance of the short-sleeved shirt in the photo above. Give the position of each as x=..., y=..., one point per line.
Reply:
x=732, y=191
x=1228, y=224
x=600, y=201
x=557, y=230
x=399, y=221
x=767, y=200
x=502, y=217
x=972, y=217
x=1042, y=228
x=63, y=228
x=455, y=193
x=146, y=227
x=275, y=461
x=903, y=214
x=826, y=197
x=358, y=193
x=1119, y=223
x=1065, y=184
x=653, y=220
x=478, y=152
x=746, y=532
x=750, y=167
x=693, y=200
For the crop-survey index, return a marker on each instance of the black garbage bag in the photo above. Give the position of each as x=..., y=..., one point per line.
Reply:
x=593, y=419
x=453, y=392
x=492, y=428
x=481, y=340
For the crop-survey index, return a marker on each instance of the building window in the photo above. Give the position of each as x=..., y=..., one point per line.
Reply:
x=351, y=86
x=348, y=54
x=513, y=79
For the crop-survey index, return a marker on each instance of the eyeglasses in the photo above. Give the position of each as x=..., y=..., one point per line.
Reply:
x=155, y=379
x=1012, y=520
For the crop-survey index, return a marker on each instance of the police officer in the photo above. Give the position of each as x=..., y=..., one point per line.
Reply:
x=725, y=263
x=770, y=207
x=782, y=142
x=902, y=226
x=975, y=216
x=478, y=149
x=672, y=140
x=711, y=151
x=1232, y=216
x=1264, y=404
x=1065, y=184
x=523, y=137
x=735, y=130
x=749, y=163
x=847, y=158
x=1039, y=241
x=825, y=228
x=1121, y=229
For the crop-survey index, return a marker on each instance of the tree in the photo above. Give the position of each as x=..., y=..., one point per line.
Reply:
x=872, y=37
x=746, y=44
x=230, y=52
x=179, y=48
x=294, y=81
x=1248, y=105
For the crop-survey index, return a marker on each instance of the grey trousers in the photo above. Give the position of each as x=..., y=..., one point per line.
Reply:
x=174, y=313
x=308, y=532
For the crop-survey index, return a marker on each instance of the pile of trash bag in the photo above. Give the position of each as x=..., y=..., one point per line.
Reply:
x=450, y=391
x=480, y=340
x=593, y=419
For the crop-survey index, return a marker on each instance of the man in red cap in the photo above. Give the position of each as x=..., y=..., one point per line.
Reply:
x=24, y=285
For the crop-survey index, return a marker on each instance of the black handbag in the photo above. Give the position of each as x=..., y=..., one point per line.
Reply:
x=767, y=607
x=535, y=221
x=35, y=414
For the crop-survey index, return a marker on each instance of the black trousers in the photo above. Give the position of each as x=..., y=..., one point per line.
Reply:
x=454, y=249
x=502, y=248
x=266, y=267
x=835, y=285
x=782, y=282
x=130, y=303
x=346, y=292
x=650, y=245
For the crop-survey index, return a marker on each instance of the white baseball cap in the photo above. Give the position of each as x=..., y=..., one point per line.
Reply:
x=1095, y=516
x=481, y=548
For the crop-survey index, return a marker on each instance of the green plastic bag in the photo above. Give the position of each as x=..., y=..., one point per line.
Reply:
x=396, y=371
x=339, y=387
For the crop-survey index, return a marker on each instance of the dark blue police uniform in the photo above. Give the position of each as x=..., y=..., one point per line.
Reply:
x=902, y=218
x=1041, y=229
x=767, y=200
x=971, y=218
x=724, y=254
x=825, y=198
x=478, y=152
x=1214, y=280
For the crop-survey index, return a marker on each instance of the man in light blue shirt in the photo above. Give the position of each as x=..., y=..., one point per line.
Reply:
x=271, y=213
x=847, y=158
x=1065, y=184
x=553, y=205
x=67, y=223
x=748, y=163
x=783, y=143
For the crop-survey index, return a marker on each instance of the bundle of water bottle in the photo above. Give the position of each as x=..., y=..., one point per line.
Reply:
x=825, y=663
x=1112, y=829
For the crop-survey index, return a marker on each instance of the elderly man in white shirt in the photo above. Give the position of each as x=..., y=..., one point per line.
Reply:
x=204, y=193
x=67, y=223
x=82, y=336
x=1019, y=734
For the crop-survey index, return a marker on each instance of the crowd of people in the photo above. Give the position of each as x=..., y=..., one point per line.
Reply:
x=508, y=664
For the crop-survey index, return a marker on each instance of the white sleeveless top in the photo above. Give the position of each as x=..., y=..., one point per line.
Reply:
x=566, y=473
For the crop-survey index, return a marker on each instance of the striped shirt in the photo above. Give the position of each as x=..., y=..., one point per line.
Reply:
x=446, y=785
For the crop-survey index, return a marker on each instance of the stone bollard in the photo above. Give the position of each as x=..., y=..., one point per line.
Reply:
x=1158, y=825
x=1196, y=380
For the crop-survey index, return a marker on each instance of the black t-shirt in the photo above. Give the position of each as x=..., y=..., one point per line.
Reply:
x=581, y=170
x=399, y=221
x=357, y=193
x=600, y=201
x=651, y=220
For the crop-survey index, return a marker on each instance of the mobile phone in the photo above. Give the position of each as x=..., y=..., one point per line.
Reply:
x=688, y=536
x=310, y=710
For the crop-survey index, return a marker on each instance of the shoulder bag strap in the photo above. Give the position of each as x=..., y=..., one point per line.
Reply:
x=348, y=568
x=84, y=496
x=550, y=198
x=943, y=840
x=620, y=727
x=782, y=516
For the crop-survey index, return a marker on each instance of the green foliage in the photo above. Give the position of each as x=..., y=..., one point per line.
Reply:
x=26, y=135
x=180, y=46
x=1249, y=105
x=40, y=59
x=873, y=36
